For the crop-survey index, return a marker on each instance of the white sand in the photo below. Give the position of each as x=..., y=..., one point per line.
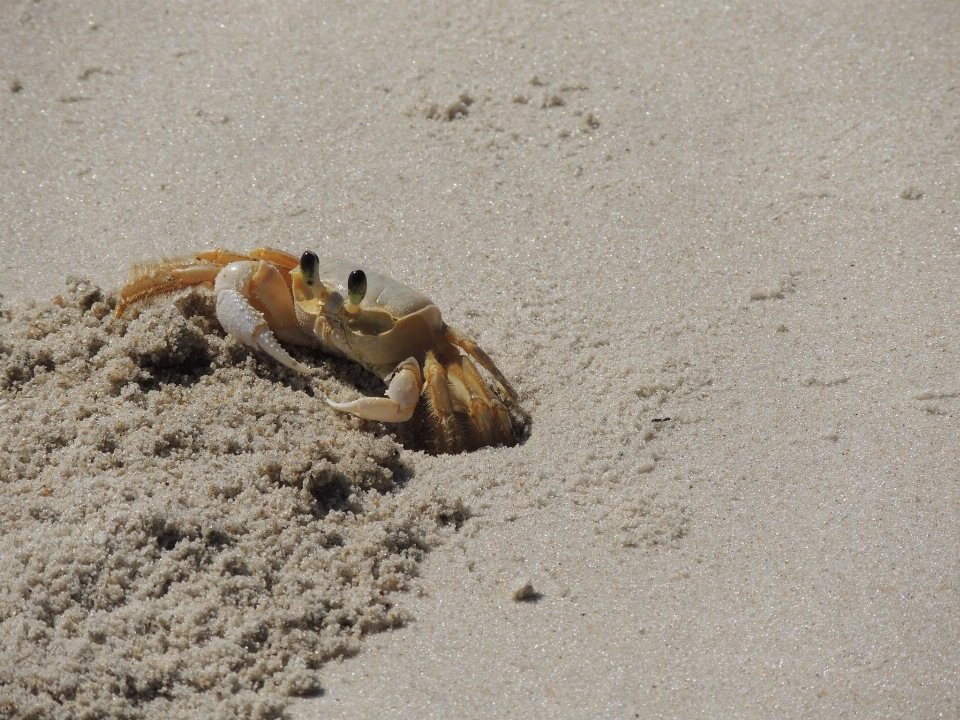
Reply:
x=742, y=218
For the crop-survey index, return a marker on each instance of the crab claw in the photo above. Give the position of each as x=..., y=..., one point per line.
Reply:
x=400, y=401
x=239, y=318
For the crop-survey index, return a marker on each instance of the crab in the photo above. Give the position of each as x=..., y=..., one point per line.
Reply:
x=267, y=296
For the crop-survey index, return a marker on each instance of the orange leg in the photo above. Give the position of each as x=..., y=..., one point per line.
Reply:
x=489, y=421
x=437, y=393
x=223, y=257
x=168, y=277
x=471, y=348
x=159, y=279
x=276, y=257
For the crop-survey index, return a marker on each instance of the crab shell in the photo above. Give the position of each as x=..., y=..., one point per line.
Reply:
x=394, y=321
x=390, y=329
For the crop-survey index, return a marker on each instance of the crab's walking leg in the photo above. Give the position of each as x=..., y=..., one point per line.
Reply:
x=400, y=401
x=471, y=348
x=471, y=397
x=236, y=285
x=276, y=257
x=437, y=392
x=156, y=280
x=489, y=419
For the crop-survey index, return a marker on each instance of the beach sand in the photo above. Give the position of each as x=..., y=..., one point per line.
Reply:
x=715, y=247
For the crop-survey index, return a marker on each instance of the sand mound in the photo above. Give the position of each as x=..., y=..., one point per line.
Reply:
x=187, y=529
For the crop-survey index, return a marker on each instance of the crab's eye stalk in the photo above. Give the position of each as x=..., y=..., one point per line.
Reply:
x=308, y=267
x=356, y=286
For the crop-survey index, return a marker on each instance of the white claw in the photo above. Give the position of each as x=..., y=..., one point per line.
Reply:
x=266, y=341
x=239, y=318
x=400, y=401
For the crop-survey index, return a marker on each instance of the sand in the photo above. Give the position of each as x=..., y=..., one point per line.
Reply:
x=715, y=248
x=175, y=543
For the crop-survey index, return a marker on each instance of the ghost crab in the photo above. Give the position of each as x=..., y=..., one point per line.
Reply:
x=390, y=329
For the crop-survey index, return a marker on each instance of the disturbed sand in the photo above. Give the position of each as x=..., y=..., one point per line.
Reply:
x=183, y=532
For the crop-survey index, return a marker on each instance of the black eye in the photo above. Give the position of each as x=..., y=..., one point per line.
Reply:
x=357, y=286
x=308, y=267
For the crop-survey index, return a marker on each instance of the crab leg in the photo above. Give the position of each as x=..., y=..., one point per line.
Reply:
x=471, y=348
x=276, y=257
x=488, y=417
x=437, y=392
x=466, y=391
x=161, y=279
x=400, y=401
x=501, y=427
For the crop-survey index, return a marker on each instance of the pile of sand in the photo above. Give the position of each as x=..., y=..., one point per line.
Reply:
x=187, y=528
